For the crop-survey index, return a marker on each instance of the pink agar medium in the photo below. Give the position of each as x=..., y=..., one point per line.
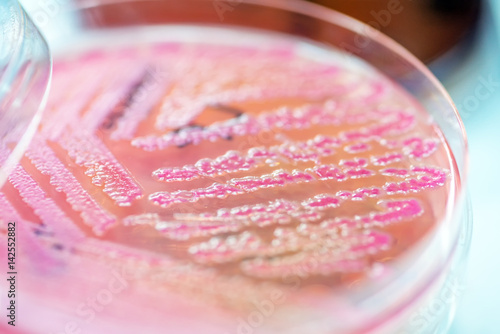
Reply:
x=222, y=164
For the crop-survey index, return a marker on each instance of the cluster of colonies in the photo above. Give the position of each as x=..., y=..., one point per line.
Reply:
x=166, y=137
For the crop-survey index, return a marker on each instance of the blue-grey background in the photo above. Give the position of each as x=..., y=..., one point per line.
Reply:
x=479, y=311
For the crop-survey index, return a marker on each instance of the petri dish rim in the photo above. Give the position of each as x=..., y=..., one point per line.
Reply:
x=370, y=294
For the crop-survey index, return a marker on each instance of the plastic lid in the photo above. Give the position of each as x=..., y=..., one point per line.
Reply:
x=25, y=72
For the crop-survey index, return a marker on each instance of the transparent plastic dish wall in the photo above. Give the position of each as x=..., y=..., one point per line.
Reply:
x=25, y=70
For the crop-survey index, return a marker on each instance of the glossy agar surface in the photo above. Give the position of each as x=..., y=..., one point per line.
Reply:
x=216, y=174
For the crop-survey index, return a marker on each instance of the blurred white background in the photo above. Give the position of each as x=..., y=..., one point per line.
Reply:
x=480, y=308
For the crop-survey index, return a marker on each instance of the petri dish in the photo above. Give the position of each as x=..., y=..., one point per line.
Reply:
x=25, y=68
x=237, y=167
